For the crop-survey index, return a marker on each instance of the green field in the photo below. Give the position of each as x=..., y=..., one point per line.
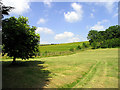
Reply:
x=87, y=69
x=60, y=47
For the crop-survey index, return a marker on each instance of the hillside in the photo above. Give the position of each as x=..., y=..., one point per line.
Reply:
x=60, y=47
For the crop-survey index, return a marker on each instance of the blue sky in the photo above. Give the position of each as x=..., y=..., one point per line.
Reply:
x=64, y=22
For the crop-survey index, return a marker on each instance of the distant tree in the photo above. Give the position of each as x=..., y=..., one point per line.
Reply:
x=92, y=36
x=105, y=39
x=19, y=39
x=113, y=32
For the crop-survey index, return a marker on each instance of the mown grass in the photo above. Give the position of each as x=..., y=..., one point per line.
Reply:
x=87, y=69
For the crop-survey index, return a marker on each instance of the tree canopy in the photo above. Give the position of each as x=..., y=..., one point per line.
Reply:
x=19, y=39
x=105, y=39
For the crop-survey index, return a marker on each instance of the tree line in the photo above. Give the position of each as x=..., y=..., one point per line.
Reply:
x=109, y=38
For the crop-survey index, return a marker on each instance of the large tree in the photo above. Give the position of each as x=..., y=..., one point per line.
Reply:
x=92, y=36
x=19, y=39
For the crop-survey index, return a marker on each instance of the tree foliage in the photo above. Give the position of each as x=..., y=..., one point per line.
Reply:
x=19, y=39
x=105, y=39
x=5, y=9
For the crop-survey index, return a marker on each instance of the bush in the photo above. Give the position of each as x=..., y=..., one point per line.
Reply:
x=78, y=47
x=72, y=49
x=84, y=45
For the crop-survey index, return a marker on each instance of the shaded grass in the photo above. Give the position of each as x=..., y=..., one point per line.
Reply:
x=26, y=74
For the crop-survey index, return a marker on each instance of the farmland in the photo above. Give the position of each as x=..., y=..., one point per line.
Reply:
x=87, y=69
x=60, y=47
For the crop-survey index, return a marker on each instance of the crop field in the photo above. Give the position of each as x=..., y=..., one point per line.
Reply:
x=60, y=47
x=87, y=69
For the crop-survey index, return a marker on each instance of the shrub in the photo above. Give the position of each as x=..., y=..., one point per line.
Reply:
x=72, y=49
x=78, y=47
x=84, y=45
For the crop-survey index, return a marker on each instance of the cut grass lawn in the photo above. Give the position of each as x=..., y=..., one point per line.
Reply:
x=86, y=69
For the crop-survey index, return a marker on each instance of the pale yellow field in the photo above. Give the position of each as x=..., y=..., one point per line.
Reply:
x=86, y=69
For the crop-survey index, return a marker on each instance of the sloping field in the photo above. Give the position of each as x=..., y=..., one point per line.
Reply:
x=60, y=47
x=86, y=69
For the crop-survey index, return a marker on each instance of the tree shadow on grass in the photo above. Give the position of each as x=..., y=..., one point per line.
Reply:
x=25, y=74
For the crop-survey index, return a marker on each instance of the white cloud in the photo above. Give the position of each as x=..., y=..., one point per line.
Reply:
x=68, y=37
x=76, y=7
x=108, y=5
x=71, y=17
x=43, y=41
x=21, y=6
x=74, y=39
x=75, y=15
x=98, y=26
x=64, y=35
x=41, y=20
x=92, y=15
x=44, y=30
x=47, y=2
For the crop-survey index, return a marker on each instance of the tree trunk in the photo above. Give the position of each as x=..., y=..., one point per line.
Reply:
x=14, y=60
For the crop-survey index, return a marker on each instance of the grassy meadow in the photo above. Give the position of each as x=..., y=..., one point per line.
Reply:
x=60, y=47
x=96, y=68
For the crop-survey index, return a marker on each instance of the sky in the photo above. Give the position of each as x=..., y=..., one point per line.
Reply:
x=65, y=22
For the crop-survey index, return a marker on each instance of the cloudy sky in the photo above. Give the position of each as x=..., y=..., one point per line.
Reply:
x=63, y=22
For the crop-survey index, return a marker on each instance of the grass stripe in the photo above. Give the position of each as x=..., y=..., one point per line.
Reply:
x=84, y=79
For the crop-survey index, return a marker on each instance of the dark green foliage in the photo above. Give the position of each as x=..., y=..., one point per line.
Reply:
x=72, y=49
x=84, y=45
x=105, y=39
x=94, y=45
x=5, y=9
x=39, y=53
x=111, y=43
x=93, y=36
x=19, y=39
x=78, y=47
